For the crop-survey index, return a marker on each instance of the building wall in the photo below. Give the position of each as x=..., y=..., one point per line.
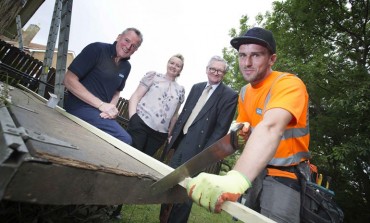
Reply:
x=41, y=54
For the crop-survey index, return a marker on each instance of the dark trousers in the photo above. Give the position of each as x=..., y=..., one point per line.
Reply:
x=145, y=138
x=184, y=151
x=175, y=213
x=117, y=211
x=110, y=126
x=179, y=213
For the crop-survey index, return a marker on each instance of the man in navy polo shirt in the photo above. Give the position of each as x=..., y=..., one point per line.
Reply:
x=95, y=79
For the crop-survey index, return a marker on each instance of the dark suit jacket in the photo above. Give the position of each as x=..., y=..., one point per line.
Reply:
x=211, y=124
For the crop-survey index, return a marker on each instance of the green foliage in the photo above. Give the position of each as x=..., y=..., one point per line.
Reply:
x=26, y=212
x=233, y=78
x=11, y=211
x=327, y=44
x=150, y=214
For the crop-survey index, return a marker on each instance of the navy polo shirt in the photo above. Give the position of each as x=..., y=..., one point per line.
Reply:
x=97, y=71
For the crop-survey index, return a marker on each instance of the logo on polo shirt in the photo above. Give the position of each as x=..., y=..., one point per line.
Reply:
x=121, y=75
x=259, y=111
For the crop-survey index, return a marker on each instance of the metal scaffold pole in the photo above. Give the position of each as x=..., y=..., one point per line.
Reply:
x=19, y=31
x=50, y=47
x=63, y=50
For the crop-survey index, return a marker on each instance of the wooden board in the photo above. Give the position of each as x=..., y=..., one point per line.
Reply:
x=94, y=173
x=235, y=209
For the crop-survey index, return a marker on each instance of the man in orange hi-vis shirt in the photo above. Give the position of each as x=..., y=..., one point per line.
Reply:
x=276, y=106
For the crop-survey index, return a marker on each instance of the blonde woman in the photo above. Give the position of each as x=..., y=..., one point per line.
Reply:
x=154, y=106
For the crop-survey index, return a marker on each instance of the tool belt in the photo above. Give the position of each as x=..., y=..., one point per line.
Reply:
x=317, y=204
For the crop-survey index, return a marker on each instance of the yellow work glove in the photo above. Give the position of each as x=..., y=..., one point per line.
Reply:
x=210, y=191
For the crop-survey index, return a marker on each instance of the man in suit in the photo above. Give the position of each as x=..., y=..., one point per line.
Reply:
x=197, y=128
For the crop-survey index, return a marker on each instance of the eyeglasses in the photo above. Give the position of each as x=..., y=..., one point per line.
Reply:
x=214, y=70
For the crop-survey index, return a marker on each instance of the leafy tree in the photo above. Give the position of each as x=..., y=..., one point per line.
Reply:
x=327, y=44
x=233, y=78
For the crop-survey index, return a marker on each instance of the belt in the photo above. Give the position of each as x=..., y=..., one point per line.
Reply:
x=292, y=183
x=291, y=169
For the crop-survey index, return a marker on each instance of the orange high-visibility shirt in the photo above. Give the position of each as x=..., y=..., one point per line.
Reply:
x=280, y=90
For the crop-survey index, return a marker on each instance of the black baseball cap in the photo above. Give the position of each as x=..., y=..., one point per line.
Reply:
x=258, y=36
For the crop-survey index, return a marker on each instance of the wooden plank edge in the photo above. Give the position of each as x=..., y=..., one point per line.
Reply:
x=238, y=210
x=235, y=209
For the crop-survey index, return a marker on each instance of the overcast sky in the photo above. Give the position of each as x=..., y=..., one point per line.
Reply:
x=198, y=29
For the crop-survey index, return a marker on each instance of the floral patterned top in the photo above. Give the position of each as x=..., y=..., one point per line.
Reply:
x=158, y=105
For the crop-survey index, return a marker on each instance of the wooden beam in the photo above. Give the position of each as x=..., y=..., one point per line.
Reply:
x=235, y=209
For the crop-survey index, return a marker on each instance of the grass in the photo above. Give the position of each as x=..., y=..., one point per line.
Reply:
x=150, y=214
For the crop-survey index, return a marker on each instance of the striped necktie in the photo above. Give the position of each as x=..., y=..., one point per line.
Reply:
x=202, y=100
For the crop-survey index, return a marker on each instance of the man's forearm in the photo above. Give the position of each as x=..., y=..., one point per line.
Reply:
x=115, y=98
x=258, y=151
x=263, y=143
x=73, y=85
